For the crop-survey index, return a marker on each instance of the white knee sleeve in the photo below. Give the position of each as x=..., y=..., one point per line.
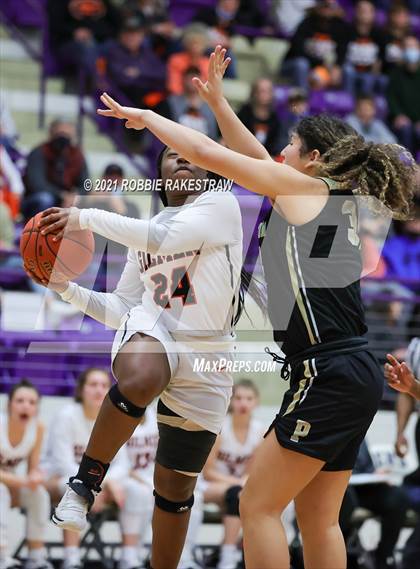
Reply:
x=5, y=506
x=37, y=505
x=136, y=515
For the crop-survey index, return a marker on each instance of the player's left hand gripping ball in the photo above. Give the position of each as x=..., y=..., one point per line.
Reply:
x=59, y=219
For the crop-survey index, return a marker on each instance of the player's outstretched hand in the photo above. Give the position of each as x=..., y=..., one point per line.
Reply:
x=212, y=91
x=134, y=117
x=400, y=377
x=59, y=219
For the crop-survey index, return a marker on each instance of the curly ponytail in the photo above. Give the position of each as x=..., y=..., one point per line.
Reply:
x=384, y=171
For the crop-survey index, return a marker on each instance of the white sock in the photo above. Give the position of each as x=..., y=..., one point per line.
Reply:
x=71, y=554
x=39, y=554
x=129, y=554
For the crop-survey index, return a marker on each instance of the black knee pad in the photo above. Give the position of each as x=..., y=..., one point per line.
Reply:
x=173, y=507
x=232, y=500
x=124, y=405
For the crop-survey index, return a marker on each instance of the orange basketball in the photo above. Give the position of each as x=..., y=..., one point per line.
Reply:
x=68, y=257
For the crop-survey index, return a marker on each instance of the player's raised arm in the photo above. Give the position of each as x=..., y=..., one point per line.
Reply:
x=234, y=132
x=264, y=177
x=192, y=228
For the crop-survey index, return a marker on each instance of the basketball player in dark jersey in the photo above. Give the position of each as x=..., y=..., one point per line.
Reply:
x=336, y=384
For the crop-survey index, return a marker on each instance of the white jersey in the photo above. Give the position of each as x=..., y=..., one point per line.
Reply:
x=12, y=456
x=68, y=436
x=233, y=456
x=141, y=447
x=183, y=266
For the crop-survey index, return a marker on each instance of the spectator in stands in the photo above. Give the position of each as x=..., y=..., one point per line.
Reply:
x=226, y=469
x=364, y=121
x=195, y=43
x=11, y=184
x=320, y=40
x=401, y=252
x=288, y=15
x=67, y=439
x=397, y=28
x=188, y=108
x=403, y=101
x=8, y=131
x=55, y=171
x=76, y=29
x=22, y=435
x=134, y=67
x=163, y=32
x=139, y=452
x=297, y=107
x=226, y=14
x=389, y=503
x=365, y=51
x=260, y=117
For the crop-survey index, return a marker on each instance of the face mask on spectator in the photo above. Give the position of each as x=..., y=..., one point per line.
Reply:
x=412, y=55
x=60, y=142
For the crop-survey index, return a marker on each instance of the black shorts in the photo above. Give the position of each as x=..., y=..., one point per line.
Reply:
x=329, y=406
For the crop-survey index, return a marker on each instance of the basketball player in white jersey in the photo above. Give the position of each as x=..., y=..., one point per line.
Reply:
x=176, y=300
x=21, y=436
x=68, y=437
x=227, y=466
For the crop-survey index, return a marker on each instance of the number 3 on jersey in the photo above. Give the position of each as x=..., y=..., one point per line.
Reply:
x=180, y=287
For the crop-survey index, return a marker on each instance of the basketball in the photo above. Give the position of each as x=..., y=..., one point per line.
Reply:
x=68, y=257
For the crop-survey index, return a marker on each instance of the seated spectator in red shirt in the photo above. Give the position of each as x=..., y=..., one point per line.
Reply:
x=189, y=109
x=365, y=51
x=260, y=117
x=403, y=96
x=195, y=42
x=320, y=40
x=364, y=121
x=396, y=30
x=78, y=27
x=132, y=64
x=55, y=171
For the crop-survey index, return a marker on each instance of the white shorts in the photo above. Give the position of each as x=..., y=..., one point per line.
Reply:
x=199, y=388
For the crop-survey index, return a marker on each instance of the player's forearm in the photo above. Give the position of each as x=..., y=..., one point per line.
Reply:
x=105, y=307
x=405, y=406
x=235, y=133
x=191, y=144
x=415, y=391
x=155, y=238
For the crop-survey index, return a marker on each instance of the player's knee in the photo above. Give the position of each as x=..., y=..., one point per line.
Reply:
x=141, y=385
x=172, y=485
x=310, y=525
x=253, y=503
